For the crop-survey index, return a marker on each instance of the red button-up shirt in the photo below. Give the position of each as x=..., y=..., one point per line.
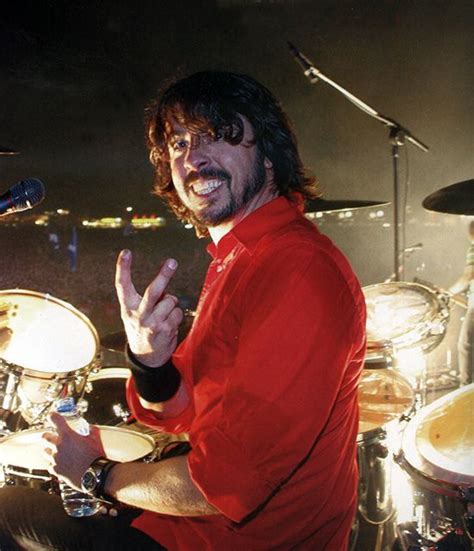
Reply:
x=272, y=363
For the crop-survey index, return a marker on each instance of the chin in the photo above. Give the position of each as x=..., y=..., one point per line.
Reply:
x=212, y=219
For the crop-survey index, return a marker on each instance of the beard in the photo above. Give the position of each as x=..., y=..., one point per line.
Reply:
x=238, y=199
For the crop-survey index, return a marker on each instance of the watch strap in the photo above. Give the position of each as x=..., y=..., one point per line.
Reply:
x=102, y=467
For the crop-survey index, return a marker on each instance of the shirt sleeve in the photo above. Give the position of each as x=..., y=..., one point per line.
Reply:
x=300, y=328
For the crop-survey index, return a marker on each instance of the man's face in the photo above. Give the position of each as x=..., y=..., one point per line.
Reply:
x=213, y=178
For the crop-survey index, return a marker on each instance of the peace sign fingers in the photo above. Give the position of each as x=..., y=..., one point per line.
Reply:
x=151, y=322
x=154, y=292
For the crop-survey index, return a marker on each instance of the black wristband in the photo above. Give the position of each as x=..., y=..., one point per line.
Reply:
x=154, y=384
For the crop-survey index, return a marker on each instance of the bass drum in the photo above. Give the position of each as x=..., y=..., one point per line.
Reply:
x=386, y=400
x=403, y=315
x=437, y=455
x=47, y=348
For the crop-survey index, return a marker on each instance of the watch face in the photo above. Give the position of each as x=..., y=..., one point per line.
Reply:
x=89, y=481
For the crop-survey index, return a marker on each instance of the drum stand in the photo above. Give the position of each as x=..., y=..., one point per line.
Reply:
x=9, y=401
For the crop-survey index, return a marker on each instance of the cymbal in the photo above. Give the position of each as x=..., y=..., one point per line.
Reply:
x=7, y=151
x=115, y=342
x=324, y=205
x=455, y=199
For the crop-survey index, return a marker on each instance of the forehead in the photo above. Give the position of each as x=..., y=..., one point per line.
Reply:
x=173, y=127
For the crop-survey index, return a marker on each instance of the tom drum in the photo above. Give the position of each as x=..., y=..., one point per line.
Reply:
x=403, y=315
x=104, y=401
x=47, y=348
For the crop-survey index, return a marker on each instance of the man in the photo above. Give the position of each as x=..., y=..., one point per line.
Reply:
x=265, y=382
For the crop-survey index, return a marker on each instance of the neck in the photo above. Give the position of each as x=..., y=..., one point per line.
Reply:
x=218, y=232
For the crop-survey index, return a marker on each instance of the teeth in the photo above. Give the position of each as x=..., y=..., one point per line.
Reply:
x=203, y=188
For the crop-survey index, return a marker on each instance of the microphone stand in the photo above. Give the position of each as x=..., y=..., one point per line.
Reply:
x=398, y=136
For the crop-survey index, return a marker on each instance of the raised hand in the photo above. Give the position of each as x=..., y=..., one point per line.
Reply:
x=151, y=321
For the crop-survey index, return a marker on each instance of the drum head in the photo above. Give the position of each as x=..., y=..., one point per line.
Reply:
x=439, y=441
x=42, y=333
x=404, y=315
x=384, y=396
x=22, y=449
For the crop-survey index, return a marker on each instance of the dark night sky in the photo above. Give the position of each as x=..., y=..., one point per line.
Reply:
x=75, y=77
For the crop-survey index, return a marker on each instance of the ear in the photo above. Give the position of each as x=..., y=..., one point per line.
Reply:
x=267, y=163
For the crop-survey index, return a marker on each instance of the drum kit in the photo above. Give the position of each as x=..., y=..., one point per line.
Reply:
x=416, y=460
x=49, y=350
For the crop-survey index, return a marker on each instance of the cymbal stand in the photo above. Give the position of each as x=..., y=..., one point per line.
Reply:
x=398, y=136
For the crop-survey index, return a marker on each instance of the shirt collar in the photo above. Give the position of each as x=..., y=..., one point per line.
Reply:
x=271, y=216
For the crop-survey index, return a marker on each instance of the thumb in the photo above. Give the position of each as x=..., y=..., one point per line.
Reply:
x=59, y=423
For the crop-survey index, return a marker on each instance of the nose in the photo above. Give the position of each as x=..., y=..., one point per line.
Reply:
x=197, y=156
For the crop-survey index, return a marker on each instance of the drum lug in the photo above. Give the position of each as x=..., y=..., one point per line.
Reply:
x=9, y=481
x=121, y=411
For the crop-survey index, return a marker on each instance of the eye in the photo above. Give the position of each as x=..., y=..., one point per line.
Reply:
x=179, y=144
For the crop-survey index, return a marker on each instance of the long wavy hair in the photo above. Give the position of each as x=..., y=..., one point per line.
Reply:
x=211, y=102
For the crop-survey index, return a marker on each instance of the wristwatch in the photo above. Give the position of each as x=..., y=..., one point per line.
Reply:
x=94, y=478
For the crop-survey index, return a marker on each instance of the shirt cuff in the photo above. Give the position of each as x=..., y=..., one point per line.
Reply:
x=154, y=384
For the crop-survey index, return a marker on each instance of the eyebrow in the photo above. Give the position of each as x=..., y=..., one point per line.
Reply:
x=175, y=135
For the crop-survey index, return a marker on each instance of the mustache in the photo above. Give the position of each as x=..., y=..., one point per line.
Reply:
x=206, y=173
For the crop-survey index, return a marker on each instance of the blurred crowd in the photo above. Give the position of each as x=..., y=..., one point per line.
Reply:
x=80, y=270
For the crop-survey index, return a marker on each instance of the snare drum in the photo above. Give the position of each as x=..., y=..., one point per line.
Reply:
x=47, y=350
x=386, y=399
x=403, y=315
x=437, y=453
x=104, y=401
x=24, y=464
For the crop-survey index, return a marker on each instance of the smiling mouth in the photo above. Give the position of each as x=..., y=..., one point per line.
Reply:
x=207, y=187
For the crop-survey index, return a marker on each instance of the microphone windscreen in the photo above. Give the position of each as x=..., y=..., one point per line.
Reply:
x=27, y=193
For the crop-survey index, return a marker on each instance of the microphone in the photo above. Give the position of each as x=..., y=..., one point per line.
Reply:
x=309, y=69
x=23, y=195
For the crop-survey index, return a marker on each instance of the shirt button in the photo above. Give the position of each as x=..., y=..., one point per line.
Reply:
x=219, y=268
